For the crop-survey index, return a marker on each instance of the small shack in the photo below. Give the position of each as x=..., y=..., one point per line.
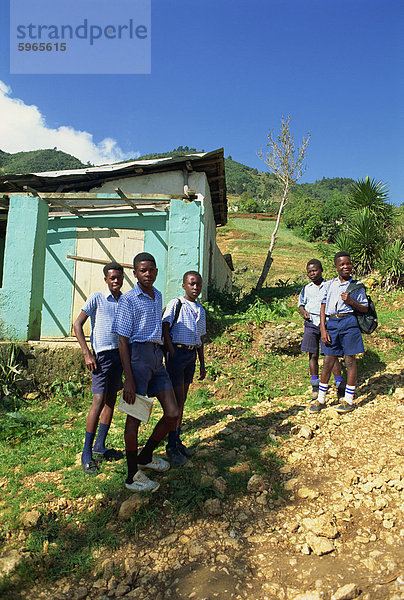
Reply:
x=58, y=229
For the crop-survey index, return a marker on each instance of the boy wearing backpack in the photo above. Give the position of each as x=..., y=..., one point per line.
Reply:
x=184, y=325
x=340, y=331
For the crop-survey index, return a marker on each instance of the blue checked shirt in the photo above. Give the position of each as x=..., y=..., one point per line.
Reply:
x=332, y=297
x=138, y=316
x=101, y=308
x=191, y=322
x=310, y=298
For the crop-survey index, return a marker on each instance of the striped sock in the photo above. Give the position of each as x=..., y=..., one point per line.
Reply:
x=349, y=394
x=322, y=390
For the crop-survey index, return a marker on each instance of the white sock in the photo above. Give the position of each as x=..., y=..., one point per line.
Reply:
x=322, y=390
x=349, y=394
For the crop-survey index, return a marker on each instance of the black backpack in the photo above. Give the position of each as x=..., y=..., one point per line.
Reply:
x=367, y=321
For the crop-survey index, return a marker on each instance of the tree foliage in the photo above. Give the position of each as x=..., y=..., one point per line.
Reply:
x=36, y=161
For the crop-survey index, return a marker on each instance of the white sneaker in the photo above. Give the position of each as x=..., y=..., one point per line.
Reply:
x=141, y=483
x=156, y=464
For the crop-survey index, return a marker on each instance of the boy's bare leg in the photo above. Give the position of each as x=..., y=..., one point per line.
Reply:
x=167, y=423
x=95, y=412
x=351, y=370
x=313, y=364
x=328, y=366
x=131, y=434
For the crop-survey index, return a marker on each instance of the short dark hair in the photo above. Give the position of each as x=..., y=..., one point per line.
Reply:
x=340, y=255
x=316, y=262
x=143, y=256
x=112, y=266
x=184, y=277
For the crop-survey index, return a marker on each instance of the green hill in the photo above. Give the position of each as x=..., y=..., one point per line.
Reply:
x=36, y=161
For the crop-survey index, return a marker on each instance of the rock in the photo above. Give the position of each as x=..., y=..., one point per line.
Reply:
x=121, y=590
x=169, y=539
x=256, y=484
x=322, y=526
x=312, y=595
x=131, y=506
x=30, y=518
x=319, y=545
x=305, y=432
x=8, y=562
x=80, y=593
x=305, y=492
x=195, y=550
x=290, y=484
x=220, y=485
x=213, y=507
x=346, y=592
x=206, y=480
x=281, y=340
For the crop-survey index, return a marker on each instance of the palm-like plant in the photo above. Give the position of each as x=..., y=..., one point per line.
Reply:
x=371, y=194
x=391, y=263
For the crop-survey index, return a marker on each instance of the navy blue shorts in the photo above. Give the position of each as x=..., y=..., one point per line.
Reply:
x=150, y=375
x=181, y=367
x=311, y=338
x=346, y=337
x=108, y=376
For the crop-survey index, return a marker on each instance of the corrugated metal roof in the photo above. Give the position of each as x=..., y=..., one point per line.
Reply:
x=81, y=180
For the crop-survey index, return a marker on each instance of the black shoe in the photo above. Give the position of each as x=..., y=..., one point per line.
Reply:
x=90, y=467
x=175, y=457
x=109, y=454
x=316, y=407
x=344, y=407
x=188, y=452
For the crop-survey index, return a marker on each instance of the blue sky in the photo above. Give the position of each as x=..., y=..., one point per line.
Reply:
x=224, y=72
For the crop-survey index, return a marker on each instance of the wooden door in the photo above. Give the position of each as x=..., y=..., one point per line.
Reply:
x=108, y=245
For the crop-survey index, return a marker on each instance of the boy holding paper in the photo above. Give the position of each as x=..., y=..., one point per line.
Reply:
x=138, y=324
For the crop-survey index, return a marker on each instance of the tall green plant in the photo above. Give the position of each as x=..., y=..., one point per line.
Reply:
x=391, y=264
x=372, y=195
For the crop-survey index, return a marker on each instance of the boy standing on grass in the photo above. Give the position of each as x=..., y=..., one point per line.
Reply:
x=104, y=365
x=340, y=331
x=309, y=307
x=183, y=337
x=138, y=324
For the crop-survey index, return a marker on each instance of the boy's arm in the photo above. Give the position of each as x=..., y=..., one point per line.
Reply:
x=304, y=313
x=201, y=356
x=353, y=303
x=78, y=331
x=129, y=388
x=168, y=342
x=325, y=336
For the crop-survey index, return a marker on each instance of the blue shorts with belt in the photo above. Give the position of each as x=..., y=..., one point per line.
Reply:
x=108, y=376
x=181, y=367
x=151, y=377
x=346, y=337
x=312, y=338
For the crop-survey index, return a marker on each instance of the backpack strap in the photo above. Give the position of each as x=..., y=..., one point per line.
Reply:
x=178, y=307
x=355, y=285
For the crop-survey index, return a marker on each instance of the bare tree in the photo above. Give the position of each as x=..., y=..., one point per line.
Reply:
x=287, y=164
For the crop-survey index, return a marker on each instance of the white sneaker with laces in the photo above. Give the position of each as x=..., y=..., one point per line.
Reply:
x=141, y=483
x=156, y=464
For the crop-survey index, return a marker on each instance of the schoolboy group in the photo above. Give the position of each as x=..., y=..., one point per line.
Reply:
x=130, y=334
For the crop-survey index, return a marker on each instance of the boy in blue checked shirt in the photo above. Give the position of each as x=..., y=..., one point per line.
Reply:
x=105, y=365
x=309, y=307
x=340, y=331
x=184, y=340
x=138, y=324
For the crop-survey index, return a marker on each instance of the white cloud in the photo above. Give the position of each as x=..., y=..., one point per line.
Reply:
x=23, y=127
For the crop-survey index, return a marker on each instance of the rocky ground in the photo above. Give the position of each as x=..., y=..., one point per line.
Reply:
x=335, y=532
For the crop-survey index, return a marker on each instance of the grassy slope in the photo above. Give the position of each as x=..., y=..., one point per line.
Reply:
x=39, y=459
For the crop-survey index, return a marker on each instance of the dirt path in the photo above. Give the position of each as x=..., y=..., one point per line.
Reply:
x=335, y=531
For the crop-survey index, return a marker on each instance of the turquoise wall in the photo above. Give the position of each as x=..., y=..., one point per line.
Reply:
x=24, y=263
